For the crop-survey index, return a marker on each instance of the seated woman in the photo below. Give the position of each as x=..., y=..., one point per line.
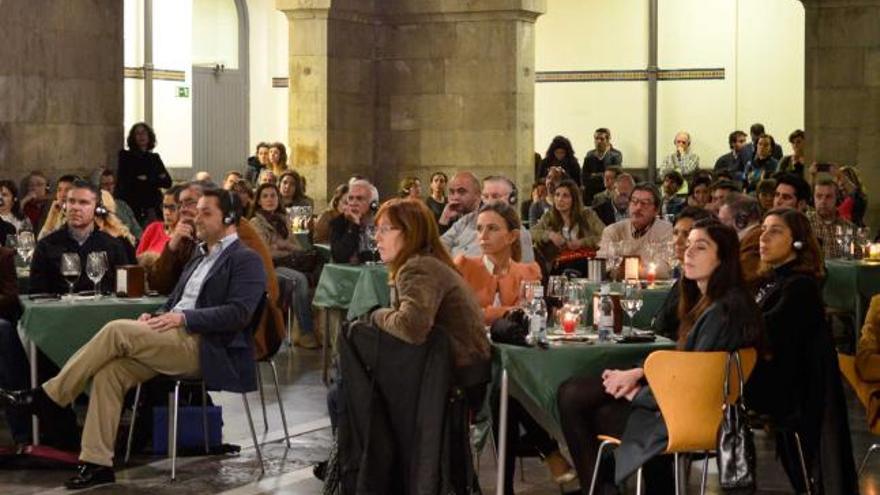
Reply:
x=157, y=234
x=566, y=229
x=245, y=192
x=716, y=314
x=10, y=211
x=321, y=232
x=270, y=222
x=111, y=224
x=410, y=187
x=868, y=361
x=293, y=191
x=797, y=383
x=495, y=277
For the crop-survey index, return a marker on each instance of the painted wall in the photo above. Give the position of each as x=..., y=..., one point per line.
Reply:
x=759, y=43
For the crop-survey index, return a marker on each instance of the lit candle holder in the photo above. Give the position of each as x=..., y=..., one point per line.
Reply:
x=874, y=252
x=630, y=267
x=570, y=322
x=651, y=276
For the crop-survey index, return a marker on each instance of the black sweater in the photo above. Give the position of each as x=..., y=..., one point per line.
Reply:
x=141, y=175
x=46, y=263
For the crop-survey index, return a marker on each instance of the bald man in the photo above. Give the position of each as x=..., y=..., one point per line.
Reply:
x=464, y=197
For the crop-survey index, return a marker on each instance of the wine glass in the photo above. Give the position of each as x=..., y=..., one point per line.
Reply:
x=70, y=270
x=555, y=296
x=844, y=239
x=631, y=302
x=526, y=291
x=96, y=266
x=371, y=244
x=863, y=238
x=26, y=244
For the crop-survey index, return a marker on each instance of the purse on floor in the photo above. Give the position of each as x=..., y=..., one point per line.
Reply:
x=736, y=444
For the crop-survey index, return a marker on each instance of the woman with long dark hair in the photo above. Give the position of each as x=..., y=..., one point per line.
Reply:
x=293, y=192
x=561, y=154
x=796, y=382
x=10, y=212
x=715, y=314
x=141, y=175
x=567, y=227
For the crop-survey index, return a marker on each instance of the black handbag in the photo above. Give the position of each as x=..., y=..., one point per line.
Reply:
x=512, y=328
x=736, y=444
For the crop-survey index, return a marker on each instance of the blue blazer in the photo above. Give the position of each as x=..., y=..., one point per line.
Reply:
x=226, y=303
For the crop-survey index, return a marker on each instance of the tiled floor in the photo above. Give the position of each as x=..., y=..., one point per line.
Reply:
x=288, y=471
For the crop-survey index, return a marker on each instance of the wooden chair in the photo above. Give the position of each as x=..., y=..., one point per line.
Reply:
x=688, y=387
x=863, y=392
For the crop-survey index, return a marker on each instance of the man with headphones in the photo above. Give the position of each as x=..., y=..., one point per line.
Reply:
x=347, y=231
x=462, y=237
x=742, y=213
x=201, y=330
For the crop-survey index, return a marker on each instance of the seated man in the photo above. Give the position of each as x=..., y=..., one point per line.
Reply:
x=200, y=332
x=682, y=159
x=615, y=209
x=672, y=201
x=742, y=213
x=54, y=215
x=791, y=192
x=720, y=189
x=79, y=235
x=825, y=219
x=462, y=238
x=730, y=162
x=347, y=231
x=609, y=176
x=639, y=230
x=464, y=196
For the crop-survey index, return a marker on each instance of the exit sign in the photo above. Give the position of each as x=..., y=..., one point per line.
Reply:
x=183, y=92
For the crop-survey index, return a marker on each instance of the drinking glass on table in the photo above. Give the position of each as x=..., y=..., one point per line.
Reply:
x=555, y=295
x=96, y=266
x=844, y=235
x=371, y=243
x=26, y=245
x=573, y=309
x=70, y=270
x=863, y=239
x=615, y=256
x=631, y=301
x=526, y=289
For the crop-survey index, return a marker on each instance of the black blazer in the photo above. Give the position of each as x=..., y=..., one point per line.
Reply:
x=605, y=210
x=141, y=175
x=229, y=296
x=730, y=323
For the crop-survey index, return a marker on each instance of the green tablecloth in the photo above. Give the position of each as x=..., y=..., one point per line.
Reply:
x=652, y=300
x=356, y=288
x=534, y=375
x=850, y=285
x=59, y=328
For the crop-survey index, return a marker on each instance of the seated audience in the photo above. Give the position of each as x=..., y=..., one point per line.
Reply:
x=855, y=201
x=682, y=159
x=791, y=192
x=464, y=198
x=267, y=176
x=462, y=237
x=277, y=160
x=107, y=181
x=567, y=228
x=536, y=196
x=672, y=201
x=762, y=165
x=410, y=187
x=157, y=234
x=796, y=381
x=169, y=266
x=720, y=189
x=348, y=243
x=78, y=235
x=10, y=211
x=245, y=192
x=607, y=194
x=321, y=231
x=665, y=322
x=14, y=366
x=270, y=222
x=537, y=209
x=731, y=162
x=766, y=193
x=596, y=162
x=436, y=199
x=699, y=192
x=35, y=202
x=868, y=361
x=200, y=332
x=755, y=132
x=716, y=314
x=795, y=162
x=824, y=219
x=108, y=222
x=617, y=208
x=230, y=179
x=202, y=176
x=55, y=216
x=560, y=154
x=742, y=213
x=257, y=163
x=293, y=192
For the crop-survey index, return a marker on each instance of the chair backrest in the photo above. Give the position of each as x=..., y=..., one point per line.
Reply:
x=689, y=388
x=258, y=314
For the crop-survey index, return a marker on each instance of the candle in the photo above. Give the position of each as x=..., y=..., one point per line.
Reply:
x=630, y=267
x=652, y=273
x=569, y=322
x=874, y=251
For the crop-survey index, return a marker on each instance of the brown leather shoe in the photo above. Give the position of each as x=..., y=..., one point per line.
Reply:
x=560, y=469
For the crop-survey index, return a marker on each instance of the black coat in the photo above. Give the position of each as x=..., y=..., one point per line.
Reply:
x=345, y=242
x=140, y=177
x=730, y=323
x=798, y=384
x=605, y=210
x=252, y=172
x=46, y=263
x=665, y=321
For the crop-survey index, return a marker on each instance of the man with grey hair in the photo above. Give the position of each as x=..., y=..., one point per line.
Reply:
x=616, y=208
x=347, y=230
x=742, y=213
x=682, y=159
x=462, y=238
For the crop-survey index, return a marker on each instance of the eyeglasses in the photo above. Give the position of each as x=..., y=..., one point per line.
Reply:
x=385, y=229
x=169, y=207
x=645, y=203
x=187, y=203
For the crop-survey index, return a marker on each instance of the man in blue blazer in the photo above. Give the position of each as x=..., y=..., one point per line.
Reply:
x=202, y=330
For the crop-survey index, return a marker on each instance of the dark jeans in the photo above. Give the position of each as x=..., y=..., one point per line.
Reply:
x=14, y=373
x=586, y=411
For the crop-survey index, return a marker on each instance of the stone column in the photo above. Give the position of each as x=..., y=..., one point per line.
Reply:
x=843, y=88
x=61, y=92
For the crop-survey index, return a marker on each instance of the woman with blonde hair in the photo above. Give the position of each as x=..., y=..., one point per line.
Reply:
x=855, y=200
x=111, y=224
x=410, y=187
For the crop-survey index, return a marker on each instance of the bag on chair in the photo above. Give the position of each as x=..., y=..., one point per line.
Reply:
x=736, y=444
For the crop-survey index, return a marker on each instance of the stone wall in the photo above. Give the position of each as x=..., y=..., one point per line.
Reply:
x=843, y=88
x=61, y=92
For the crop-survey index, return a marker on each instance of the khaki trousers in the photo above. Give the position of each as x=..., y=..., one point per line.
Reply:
x=121, y=355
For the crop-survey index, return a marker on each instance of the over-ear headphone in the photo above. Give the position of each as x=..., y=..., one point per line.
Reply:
x=741, y=220
x=513, y=197
x=797, y=245
x=101, y=211
x=374, y=206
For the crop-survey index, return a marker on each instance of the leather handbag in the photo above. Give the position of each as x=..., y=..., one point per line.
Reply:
x=736, y=444
x=511, y=328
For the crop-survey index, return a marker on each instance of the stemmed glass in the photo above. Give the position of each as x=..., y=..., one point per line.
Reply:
x=631, y=302
x=70, y=270
x=555, y=296
x=96, y=267
x=863, y=238
x=371, y=244
x=526, y=290
x=26, y=244
x=844, y=238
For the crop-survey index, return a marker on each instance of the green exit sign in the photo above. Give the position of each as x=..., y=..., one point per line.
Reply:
x=183, y=92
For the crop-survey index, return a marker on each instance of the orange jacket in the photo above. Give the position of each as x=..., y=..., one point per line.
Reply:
x=485, y=284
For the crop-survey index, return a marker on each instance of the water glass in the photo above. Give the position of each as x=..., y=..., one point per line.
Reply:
x=26, y=245
x=96, y=266
x=631, y=301
x=70, y=270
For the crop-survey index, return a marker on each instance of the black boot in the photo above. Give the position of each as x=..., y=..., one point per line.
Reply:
x=33, y=401
x=89, y=475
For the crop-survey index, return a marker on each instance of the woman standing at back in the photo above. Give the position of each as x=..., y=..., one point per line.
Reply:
x=141, y=175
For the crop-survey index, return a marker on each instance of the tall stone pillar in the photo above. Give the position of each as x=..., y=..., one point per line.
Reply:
x=61, y=96
x=843, y=88
x=389, y=89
